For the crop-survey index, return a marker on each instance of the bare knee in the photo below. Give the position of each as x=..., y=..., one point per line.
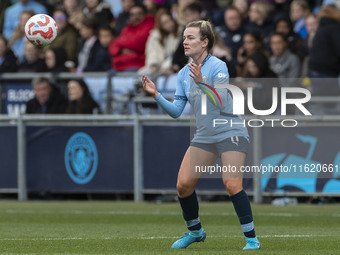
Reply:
x=233, y=186
x=184, y=189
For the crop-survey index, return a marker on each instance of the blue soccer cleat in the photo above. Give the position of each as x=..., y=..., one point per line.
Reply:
x=187, y=239
x=252, y=244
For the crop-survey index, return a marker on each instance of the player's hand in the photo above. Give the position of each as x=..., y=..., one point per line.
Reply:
x=196, y=72
x=149, y=86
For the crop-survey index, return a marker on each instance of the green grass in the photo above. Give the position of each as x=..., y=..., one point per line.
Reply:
x=147, y=228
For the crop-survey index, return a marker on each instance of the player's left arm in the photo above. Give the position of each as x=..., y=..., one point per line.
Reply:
x=220, y=75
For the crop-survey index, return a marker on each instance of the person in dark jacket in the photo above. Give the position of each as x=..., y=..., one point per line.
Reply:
x=232, y=32
x=100, y=10
x=324, y=59
x=81, y=101
x=8, y=61
x=123, y=18
x=191, y=13
x=90, y=55
x=47, y=98
x=103, y=59
x=261, y=20
x=32, y=61
x=55, y=59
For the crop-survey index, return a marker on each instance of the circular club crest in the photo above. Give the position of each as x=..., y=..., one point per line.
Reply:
x=81, y=158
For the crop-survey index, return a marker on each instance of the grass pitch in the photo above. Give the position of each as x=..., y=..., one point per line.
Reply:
x=147, y=228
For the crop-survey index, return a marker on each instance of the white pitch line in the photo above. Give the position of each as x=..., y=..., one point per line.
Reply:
x=148, y=237
x=79, y=212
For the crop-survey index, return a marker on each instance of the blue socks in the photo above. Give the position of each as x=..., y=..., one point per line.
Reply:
x=190, y=211
x=243, y=210
x=241, y=204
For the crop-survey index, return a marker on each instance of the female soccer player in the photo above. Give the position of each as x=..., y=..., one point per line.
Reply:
x=209, y=142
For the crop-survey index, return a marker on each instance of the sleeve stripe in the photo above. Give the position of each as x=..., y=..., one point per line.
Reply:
x=213, y=91
x=206, y=91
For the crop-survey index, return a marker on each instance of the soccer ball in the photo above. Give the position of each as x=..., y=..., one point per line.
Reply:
x=41, y=30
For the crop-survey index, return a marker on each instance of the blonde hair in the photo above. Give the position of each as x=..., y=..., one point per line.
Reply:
x=206, y=30
x=263, y=8
x=303, y=4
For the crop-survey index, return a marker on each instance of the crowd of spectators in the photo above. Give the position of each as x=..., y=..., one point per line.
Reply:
x=286, y=39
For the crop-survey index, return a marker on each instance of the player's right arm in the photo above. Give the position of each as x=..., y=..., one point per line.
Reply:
x=175, y=108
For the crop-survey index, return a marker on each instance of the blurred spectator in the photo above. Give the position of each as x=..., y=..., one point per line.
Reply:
x=18, y=38
x=100, y=10
x=161, y=44
x=182, y=4
x=242, y=6
x=55, y=59
x=213, y=12
x=123, y=17
x=252, y=42
x=208, y=5
x=3, y=6
x=8, y=61
x=13, y=12
x=47, y=98
x=324, y=59
x=67, y=37
x=266, y=1
x=299, y=9
x=81, y=101
x=32, y=60
x=102, y=60
x=283, y=62
x=312, y=24
x=89, y=46
x=257, y=67
x=106, y=37
x=260, y=19
x=232, y=33
x=153, y=6
x=295, y=42
x=223, y=4
x=128, y=49
x=281, y=9
x=74, y=11
x=221, y=51
x=192, y=12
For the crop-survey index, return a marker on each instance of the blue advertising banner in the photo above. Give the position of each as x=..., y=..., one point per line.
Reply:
x=301, y=148
x=16, y=96
x=310, y=154
x=80, y=159
x=100, y=159
x=163, y=149
x=8, y=157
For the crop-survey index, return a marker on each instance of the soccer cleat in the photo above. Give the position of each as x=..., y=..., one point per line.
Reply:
x=187, y=239
x=252, y=244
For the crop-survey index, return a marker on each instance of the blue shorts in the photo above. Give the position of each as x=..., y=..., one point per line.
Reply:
x=235, y=143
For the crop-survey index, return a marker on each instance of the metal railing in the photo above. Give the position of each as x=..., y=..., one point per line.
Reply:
x=110, y=96
x=137, y=122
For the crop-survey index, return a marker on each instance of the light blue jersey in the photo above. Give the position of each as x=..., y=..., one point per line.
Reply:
x=214, y=71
